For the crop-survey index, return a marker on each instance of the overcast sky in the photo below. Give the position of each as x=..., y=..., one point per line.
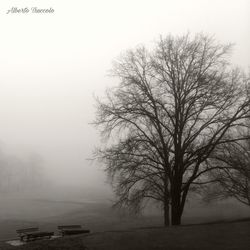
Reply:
x=51, y=65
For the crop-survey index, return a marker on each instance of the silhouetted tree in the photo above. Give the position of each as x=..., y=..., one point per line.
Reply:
x=173, y=106
x=232, y=179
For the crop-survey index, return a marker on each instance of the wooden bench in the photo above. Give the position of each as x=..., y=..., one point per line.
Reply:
x=71, y=229
x=33, y=233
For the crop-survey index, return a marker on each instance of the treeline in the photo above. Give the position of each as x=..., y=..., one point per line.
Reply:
x=17, y=174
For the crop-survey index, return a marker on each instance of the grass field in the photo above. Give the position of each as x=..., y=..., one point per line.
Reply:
x=214, y=236
x=113, y=230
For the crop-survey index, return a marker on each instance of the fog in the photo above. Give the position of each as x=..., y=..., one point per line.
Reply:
x=52, y=66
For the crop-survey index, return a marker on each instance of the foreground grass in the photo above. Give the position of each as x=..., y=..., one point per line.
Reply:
x=67, y=243
x=235, y=235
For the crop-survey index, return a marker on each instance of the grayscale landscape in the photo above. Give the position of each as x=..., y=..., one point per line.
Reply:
x=127, y=123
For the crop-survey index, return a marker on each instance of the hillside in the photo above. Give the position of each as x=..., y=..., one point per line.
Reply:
x=233, y=235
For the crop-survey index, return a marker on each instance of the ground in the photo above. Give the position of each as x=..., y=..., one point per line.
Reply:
x=223, y=236
x=116, y=230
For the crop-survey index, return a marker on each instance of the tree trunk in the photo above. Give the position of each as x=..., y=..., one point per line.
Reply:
x=166, y=201
x=166, y=214
x=176, y=216
x=176, y=207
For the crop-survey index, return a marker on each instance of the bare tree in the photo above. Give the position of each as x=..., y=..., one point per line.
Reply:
x=173, y=106
x=232, y=179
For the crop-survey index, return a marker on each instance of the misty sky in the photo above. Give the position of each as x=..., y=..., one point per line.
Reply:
x=51, y=66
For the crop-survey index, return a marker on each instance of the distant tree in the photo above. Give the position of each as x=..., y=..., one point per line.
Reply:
x=232, y=179
x=173, y=106
x=20, y=174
